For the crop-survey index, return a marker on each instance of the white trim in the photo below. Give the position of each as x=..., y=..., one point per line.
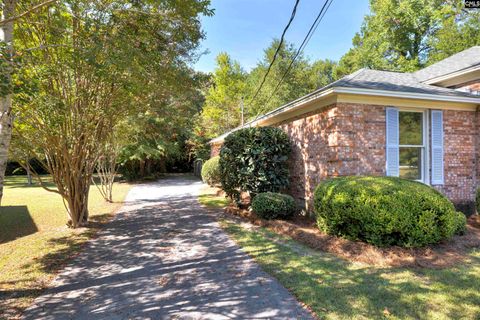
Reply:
x=392, y=139
x=440, y=147
x=425, y=167
x=452, y=75
x=408, y=95
x=318, y=94
x=285, y=108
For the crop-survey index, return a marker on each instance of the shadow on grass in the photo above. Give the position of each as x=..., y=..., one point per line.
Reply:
x=333, y=287
x=15, y=222
x=64, y=249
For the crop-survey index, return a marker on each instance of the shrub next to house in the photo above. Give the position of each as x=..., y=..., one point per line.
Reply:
x=271, y=205
x=211, y=171
x=385, y=211
x=254, y=160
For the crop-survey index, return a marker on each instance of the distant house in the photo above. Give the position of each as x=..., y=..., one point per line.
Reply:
x=422, y=126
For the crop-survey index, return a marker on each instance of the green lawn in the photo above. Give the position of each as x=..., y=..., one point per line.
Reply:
x=336, y=289
x=209, y=198
x=34, y=241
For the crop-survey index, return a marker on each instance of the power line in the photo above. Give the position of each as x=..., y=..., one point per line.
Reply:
x=292, y=16
x=305, y=41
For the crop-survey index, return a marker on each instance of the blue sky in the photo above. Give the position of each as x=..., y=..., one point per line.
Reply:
x=244, y=28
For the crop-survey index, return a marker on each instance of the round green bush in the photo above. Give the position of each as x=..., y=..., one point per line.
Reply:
x=385, y=211
x=271, y=205
x=211, y=171
x=254, y=160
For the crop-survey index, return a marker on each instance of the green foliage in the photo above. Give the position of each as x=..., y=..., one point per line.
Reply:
x=271, y=205
x=385, y=211
x=211, y=171
x=254, y=160
x=407, y=35
x=230, y=83
x=303, y=77
x=221, y=111
x=477, y=201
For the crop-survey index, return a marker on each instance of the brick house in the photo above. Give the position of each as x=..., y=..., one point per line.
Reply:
x=422, y=126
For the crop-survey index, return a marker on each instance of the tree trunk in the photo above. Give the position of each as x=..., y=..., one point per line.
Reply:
x=142, y=168
x=77, y=203
x=6, y=36
x=29, y=174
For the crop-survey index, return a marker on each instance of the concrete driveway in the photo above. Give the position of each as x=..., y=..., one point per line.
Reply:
x=164, y=257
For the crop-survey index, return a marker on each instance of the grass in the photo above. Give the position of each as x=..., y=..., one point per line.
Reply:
x=336, y=289
x=208, y=197
x=34, y=241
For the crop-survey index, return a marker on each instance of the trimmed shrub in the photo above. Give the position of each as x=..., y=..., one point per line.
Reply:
x=477, y=201
x=254, y=160
x=271, y=205
x=211, y=171
x=385, y=211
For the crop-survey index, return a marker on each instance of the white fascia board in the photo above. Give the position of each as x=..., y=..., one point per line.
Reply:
x=408, y=95
x=452, y=75
x=322, y=94
x=283, y=109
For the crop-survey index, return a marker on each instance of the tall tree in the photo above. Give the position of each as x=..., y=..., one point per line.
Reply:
x=6, y=65
x=8, y=18
x=398, y=34
x=222, y=109
x=299, y=79
x=459, y=31
x=92, y=63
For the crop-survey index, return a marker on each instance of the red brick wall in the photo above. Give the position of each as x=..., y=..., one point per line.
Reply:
x=349, y=139
x=341, y=139
x=460, y=150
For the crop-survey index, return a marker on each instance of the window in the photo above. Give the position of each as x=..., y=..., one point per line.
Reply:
x=414, y=145
x=411, y=145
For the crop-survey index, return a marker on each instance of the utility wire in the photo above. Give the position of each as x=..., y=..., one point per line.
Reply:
x=292, y=16
x=305, y=41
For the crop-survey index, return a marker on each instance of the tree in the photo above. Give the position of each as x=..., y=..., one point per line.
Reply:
x=159, y=134
x=292, y=87
x=6, y=64
x=460, y=31
x=91, y=65
x=8, y=18
x=302, y=78
x=398, y=35
x=222, y=111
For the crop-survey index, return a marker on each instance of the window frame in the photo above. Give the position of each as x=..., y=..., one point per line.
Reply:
x=425, y=147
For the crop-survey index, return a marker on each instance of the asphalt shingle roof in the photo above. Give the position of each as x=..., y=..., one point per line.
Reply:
x=459, y=61
x=393, y=81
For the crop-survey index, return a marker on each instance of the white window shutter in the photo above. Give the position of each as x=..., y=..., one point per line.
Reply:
x=437, y=147
x=392, y=142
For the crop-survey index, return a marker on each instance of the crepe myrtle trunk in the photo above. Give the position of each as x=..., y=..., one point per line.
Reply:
x=74, y=189
x=6, y=38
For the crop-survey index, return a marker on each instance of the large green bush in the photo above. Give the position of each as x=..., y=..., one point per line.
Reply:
x=385, y=211
x=211, y=171
x=271, y=205
x=254, y=160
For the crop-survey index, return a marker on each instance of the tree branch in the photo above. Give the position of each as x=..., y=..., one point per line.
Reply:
x=29, y=11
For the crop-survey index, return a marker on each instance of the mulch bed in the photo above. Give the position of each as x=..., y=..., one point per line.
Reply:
x=304, y=230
